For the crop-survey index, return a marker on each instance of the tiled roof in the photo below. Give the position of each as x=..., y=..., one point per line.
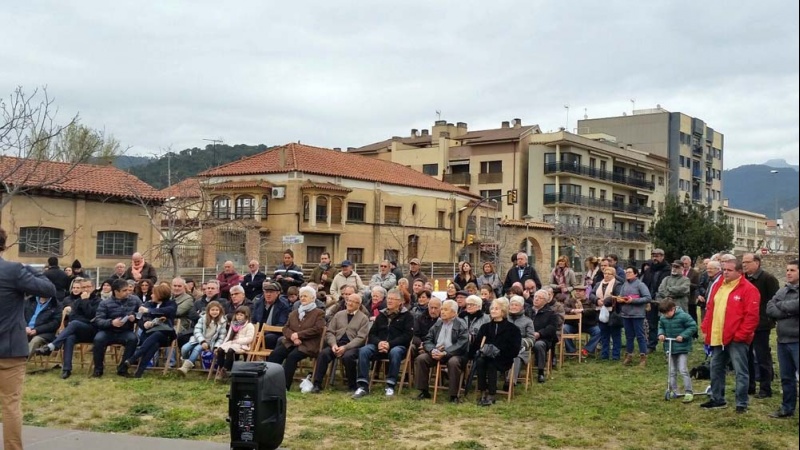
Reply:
x=245, y=184
x=325, y=186
x=419, y=141
x=327, y=162
x=105, y=180
x=188, y=188
x=497, y=134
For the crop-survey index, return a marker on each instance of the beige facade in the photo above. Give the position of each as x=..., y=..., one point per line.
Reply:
x=749, y=229
x=601, y=198
x=99, y=232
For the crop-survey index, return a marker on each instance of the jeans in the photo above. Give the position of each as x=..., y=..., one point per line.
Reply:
x=12, y=377
x=594, y=337
x=290, y=357
x=74, y=333
x=369, y=352
x=152, y=342
x=104, y=338
x=680, y=365
x=191, y=351
x=634, y=329
x=762, y=359
x=735, y=353
x=788, y=361
x=610, y=336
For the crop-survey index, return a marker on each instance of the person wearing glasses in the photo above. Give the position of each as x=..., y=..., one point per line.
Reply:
x=384, y=278
x=237, y=299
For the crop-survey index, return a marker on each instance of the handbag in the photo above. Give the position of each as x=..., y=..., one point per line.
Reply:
x=604, y=315
x=490, y=351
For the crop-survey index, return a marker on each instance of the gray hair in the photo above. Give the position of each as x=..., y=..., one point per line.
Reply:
x=380, y=290
x=435, y=299
x=131, y=283
x=714, y=264
x=394, y=293
x=474, y=300
x=179, y=280
x=685, y=258
x=503, y=304
x=237, y=289
x=727, y=257
x=214, y=282
x=542, y=293
x=450, y=304
x=516, y=299
x=307, y=290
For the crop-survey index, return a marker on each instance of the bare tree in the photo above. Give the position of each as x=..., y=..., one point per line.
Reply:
x=408, y=236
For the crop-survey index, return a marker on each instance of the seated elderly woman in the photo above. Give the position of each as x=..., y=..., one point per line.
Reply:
x=516, y=315
x=474, y=317
x=500, y=343
x=302, y=335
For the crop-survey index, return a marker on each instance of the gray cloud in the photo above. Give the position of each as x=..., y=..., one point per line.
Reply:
x=350, y=73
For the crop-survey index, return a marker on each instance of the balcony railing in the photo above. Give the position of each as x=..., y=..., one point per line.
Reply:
x=697, y=174
x=697, y=150
x=593, y=172
x=709, y=178
x=457, y=178
x=600, y=233
x=495, y=177
x=571, y=199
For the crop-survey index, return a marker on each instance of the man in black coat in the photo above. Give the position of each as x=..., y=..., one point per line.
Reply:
x=42, y=319
x=767, y=286
x=253, y=281
x=58, y=277
x=114, y=321
x=652, y=279
x=545, y=324
x=521, y=272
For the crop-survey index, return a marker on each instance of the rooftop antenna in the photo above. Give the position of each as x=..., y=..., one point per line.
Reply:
x=438, y=114
x=633, y=105
x=585, y=113
x=567, y=126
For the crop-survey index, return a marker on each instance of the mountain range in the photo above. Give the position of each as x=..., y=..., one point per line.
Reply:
x=769, y=188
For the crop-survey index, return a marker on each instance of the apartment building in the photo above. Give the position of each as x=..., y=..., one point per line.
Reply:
x=749, y=229
x=488, y=163
x=695, y=151
x=600, y=197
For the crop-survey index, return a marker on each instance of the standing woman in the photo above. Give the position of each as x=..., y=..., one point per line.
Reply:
x=157, y=320
x=610, y=331
x=592, y=274
x=491, y=278
x=562, y=278
x=302, y=335
x=465, y=274
x=634, y=297
x=501, y=343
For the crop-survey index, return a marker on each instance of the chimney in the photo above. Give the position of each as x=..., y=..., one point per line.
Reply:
x=396, y=138
x=338, y=149
x=461, y=125
x=517, y=123
x=424, y=132
x=505, y=124
x=350, y=149
x=440, y=123
x=449, y=124
x=414, y=132
x=282, y=157
x=444, y=134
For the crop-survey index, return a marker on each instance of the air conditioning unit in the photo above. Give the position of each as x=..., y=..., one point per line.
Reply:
x=279, y=192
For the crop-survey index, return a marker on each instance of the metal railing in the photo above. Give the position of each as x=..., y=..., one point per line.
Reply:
x=581, y=200
x=494, y=177
x=599, y=174
x=601, y=233
x=457, y=178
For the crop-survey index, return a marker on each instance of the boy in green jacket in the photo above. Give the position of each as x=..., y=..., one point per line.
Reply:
x=678, y=324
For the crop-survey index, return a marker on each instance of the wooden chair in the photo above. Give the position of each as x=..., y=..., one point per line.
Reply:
x=439, y=369
x=383, y=361
x=298, y=375
x=259, y=349
x=576, y=339
x=525, y=377
x=44, y=361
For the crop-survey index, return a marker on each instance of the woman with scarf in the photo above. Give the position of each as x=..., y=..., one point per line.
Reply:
x=500, y=342
x=592, y=274
x=465, y=274
x=105, y=291
x=157, y=322
x=610, y=327
x=302, y=335
x=562, y=278
x=237, y=341
x=491, y=278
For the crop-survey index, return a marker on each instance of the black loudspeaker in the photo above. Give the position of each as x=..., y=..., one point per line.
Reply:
x=257, y=405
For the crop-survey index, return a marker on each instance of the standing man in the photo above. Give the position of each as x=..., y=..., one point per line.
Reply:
x=253, y=280
x=16, y=281
x=58, y=277
x=288, y=273
x=414, y=273
x=140, y=270
x=675, y=286
x=119, y=272
x=785, y=309
x=729, y=327
x=767, y=286
x=613, y=261
x=228, y=278
x=713, y=272
x=384, y=278
x=347, y=277
x=694, y=282
x=324, y=273
x=652, y=279
x=520, y=273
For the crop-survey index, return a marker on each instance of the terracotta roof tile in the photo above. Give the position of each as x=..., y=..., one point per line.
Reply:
x=244, y=184
x=188, y=188
x=325, y=186
x=327, y=162
x=94, y=179
x=497, y=134
x=522, y=223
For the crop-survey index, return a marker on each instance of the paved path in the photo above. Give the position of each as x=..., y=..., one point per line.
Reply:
x=37, y=438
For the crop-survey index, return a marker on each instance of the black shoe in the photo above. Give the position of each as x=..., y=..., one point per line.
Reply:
x=97, y=374
x=43, y=350
x=65, y=374
x=455, y=400
x=751, y=391
x=423, y=395
x=123, y=368
x=781, y=414
x=762, y=394
x=316, y=389
x=741, y=409
x=506, y=386
x=540, y=379
x=711, y=404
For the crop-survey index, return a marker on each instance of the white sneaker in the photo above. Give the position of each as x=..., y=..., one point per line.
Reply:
x=389, y=392
x=360, y=392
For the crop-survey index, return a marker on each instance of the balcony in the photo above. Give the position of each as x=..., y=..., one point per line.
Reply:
x=593, y=172
x=709, y=178
x=459, y=179
x=486, y=178
x=697, y=174
x=697, y=150
x=580, y=200
x=709, y=158
x=600, y=233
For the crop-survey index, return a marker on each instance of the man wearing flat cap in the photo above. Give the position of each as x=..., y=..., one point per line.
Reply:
x=271, y=308
x=676, y=286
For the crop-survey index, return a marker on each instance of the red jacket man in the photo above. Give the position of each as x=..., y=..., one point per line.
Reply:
x=741, y=313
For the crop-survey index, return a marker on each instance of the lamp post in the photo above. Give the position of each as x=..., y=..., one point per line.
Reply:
x=774, y=172
x=466, y=222
x=527, y=218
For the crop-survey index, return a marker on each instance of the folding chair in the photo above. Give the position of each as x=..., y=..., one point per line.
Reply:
x=576, y=339
x=44, y=361
x=259, y=349
x=523, y=376
x=439, y=369
x=313, y=360
x=383, y=361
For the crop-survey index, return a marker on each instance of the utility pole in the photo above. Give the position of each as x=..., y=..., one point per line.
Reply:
x=214, y=151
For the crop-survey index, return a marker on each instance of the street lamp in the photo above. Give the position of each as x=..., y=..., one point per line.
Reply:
x=773, y=171
x=527, y=218
x=472, y=211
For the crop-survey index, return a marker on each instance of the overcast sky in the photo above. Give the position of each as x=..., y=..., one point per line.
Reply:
x=344, y=73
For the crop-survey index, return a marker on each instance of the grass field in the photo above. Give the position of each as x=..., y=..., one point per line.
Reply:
x=590, y=405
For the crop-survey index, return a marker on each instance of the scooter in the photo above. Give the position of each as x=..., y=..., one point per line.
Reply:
x=670, y=394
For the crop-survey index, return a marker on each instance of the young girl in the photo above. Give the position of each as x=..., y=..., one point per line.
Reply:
x=237, y=341
x=208, y=335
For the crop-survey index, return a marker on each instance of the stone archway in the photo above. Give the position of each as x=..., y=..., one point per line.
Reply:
x=536, y=256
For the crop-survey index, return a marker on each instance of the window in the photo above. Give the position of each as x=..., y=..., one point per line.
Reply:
x=391, y=254
x=660, y=181
x=264, y=206
x=491, y=166
x=571, y=189
x=603, y=166
x=221, y=208
x=413, y=246
x=592, y=163
x=549, y=158
x=355, y=255
x=602, y=223
x=314, y=253
x=306, y=207
x=355, y=212
x=592, y=193
x=41, y=241
x=116, y=243
x=591, y=222
x=391, y=215
x=245, y=207
x=431, y=169
x=682, y=161
x=336, y=210
x=440, y=218
x=493, y=193
x=602, y=195
x=488, y=226
x=322, y=210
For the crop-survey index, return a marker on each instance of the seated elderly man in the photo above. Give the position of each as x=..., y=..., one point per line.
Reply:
x=389, y=337
x=516, y=315
x=446, y=342
x=546, y=323
x=238, y=298
x=271, y=308
x=346, y=334
x=423, y=324
x=42, y=318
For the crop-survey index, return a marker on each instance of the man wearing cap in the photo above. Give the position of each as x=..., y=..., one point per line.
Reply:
x=271, y=308
x=675, y=286
x=461, y=300
x=414, y=273
x=346, y=277
x=652, y=279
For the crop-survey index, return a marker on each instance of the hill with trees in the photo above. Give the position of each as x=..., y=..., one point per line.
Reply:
x=756, y=188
